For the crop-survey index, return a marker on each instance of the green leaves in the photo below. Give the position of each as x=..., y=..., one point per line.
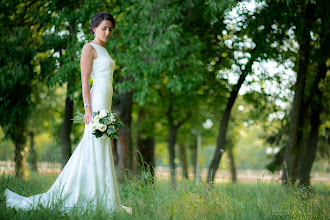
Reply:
x=110, y=130
x=105, y=120
x=115, y=135
x=156, y=48
x=78, y=118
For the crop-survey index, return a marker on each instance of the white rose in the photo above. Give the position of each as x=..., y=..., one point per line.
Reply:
x=101, y=127
x=103, y=113
x=96, y=119
x=112, y=118
x=94, y=126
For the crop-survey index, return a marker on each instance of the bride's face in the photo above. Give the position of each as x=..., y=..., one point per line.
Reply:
x=103, y=30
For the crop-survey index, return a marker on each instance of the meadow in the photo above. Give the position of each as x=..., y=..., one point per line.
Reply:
x=261, y=200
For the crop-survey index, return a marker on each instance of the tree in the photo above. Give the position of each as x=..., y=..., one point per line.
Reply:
x=309, y=151
x=20, y=41
x=252, y=36
x=183, y=160
x=290, y=163
x=300, y=19
x=123, y=146
x=146, y=141
x=320, y=55
x=158, y=40
x=65, y=19
x=221, y=139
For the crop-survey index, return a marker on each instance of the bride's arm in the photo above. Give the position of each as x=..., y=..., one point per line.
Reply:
x=86, y=64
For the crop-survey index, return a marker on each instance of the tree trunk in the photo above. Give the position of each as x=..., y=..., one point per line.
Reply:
x=221, y=139
x=171, y=149
x=290, y=160
x=124, y=149
x=146, y=160
x=66, y=131
x=300, y=134
x=146, y=147
x=32, y=152
x=173, y=128
x=232, y=165
x=291, y=154
x=183, y=160
x=311, y=146
x=19, y=151
x=193, y=152
x=114, y=149
x=65, y=139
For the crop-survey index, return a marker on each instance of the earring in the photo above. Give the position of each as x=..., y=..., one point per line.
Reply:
x=94, y=34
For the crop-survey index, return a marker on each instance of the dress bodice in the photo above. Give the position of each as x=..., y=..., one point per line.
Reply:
x=102, y=75
x=103, y=65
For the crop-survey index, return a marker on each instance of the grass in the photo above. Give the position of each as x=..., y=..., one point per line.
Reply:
x=224, y=201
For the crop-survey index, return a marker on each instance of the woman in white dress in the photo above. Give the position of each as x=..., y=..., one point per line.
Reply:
x=88, y=180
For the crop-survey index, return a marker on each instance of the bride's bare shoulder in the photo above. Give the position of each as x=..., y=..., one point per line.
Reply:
x=88, y=50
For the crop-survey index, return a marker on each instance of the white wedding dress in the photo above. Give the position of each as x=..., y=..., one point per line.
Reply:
x=88, y=180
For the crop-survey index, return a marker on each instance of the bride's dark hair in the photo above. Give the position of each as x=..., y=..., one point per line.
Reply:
x=98, y=18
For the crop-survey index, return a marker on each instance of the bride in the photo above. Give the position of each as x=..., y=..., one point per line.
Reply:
x=88, y=180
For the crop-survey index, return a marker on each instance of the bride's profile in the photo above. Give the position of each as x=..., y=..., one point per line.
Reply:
x=88, y=180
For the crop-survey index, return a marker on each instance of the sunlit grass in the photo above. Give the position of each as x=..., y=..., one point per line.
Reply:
x=224, y=201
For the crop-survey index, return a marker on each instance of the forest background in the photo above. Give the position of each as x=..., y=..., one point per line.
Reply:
x=249, y=77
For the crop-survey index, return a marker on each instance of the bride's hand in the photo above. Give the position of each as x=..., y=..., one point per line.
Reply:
x=88, y=115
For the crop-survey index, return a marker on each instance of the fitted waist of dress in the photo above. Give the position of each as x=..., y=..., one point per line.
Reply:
x=95, y=78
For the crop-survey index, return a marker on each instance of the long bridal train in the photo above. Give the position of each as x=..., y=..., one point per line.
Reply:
x=88, y=181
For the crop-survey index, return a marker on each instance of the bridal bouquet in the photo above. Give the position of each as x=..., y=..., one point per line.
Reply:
x=103, y=123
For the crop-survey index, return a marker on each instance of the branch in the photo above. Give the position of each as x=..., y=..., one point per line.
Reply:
x=321, y=73
x=184, y=120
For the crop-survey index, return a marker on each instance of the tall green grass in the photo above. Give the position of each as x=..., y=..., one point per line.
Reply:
x=224, y=201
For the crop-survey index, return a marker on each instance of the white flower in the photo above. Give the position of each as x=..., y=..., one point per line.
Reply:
x=96, y=119
x=112, y=118
x=103, y=113
x=101, y=127
x=94, y=126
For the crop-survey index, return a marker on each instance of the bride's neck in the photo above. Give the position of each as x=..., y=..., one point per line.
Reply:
x=101, y=43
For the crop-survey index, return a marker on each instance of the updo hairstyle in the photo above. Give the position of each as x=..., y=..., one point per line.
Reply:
x=98, y=18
